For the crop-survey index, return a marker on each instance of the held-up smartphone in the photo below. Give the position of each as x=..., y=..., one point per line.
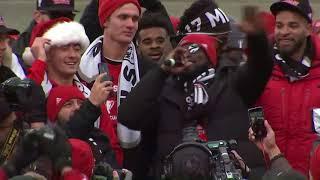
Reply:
x=256, y=118
x=103, y=68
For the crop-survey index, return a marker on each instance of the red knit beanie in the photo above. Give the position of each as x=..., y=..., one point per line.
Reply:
x=107, y=7
x=207, y=43
x=82, y=157
x=58, y=96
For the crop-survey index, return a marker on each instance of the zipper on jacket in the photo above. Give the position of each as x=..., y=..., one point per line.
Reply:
x=305, y=107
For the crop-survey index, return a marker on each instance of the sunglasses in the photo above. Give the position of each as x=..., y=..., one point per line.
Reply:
x=193, y=48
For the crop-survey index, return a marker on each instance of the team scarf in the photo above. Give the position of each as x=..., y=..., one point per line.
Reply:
x=292, y=69
x=197, y=89
x=88, y=71
x=47, y=85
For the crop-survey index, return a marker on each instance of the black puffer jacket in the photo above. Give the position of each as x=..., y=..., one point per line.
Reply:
x=157, y=103
x=81, y=126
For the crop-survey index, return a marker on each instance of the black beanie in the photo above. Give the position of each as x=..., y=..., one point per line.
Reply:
x=209, y=20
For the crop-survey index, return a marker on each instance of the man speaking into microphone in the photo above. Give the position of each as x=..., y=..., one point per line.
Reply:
x=191, y=86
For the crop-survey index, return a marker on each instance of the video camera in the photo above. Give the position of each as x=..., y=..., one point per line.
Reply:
x=202, y=160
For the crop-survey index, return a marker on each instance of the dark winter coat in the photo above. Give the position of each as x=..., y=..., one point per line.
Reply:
x=81, y=126
x=288, y=107
x=157, y=103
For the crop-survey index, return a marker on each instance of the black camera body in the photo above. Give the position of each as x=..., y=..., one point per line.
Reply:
x=17, y=92
x=224, y=166
x=221, y=166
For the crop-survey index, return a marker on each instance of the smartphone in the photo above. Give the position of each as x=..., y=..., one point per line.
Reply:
x=256, y=117
x=103, y=68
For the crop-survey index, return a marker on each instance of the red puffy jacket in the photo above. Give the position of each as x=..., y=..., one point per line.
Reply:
x=288, y=108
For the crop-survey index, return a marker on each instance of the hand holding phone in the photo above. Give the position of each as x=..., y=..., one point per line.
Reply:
x=256, y=117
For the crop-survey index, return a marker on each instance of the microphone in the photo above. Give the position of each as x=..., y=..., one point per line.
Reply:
x=169, y=62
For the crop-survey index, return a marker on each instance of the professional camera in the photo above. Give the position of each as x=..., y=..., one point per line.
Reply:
x=17, y=92
x=195, y=159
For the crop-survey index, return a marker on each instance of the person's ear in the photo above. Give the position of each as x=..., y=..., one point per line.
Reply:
x=106, y=23
x=309, y=29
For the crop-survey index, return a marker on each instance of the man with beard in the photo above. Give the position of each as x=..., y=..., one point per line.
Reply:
x=291, y=99
x=8, y=60
x=189, y=90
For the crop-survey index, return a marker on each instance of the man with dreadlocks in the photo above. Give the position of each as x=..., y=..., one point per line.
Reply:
x=197, y=91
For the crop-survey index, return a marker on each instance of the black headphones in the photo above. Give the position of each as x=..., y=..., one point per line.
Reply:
x=167, y=163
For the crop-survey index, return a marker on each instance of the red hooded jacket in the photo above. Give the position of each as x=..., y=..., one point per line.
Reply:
x=288, y=108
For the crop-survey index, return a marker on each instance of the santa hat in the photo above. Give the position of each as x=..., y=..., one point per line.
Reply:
x=107, y=7
x=315, y=163
x=207, y=43
x=61, y=31
x=82, y=156
x=58, y=96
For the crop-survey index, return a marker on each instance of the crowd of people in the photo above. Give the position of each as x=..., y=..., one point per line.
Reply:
x=131, y=92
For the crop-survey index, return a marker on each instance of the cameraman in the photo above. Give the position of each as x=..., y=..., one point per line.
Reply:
x=51, y=143
x=22, y=106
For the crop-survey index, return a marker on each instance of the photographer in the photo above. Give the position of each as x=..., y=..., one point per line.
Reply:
x=45, y=141
x=22, y=106
x=27, y=99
